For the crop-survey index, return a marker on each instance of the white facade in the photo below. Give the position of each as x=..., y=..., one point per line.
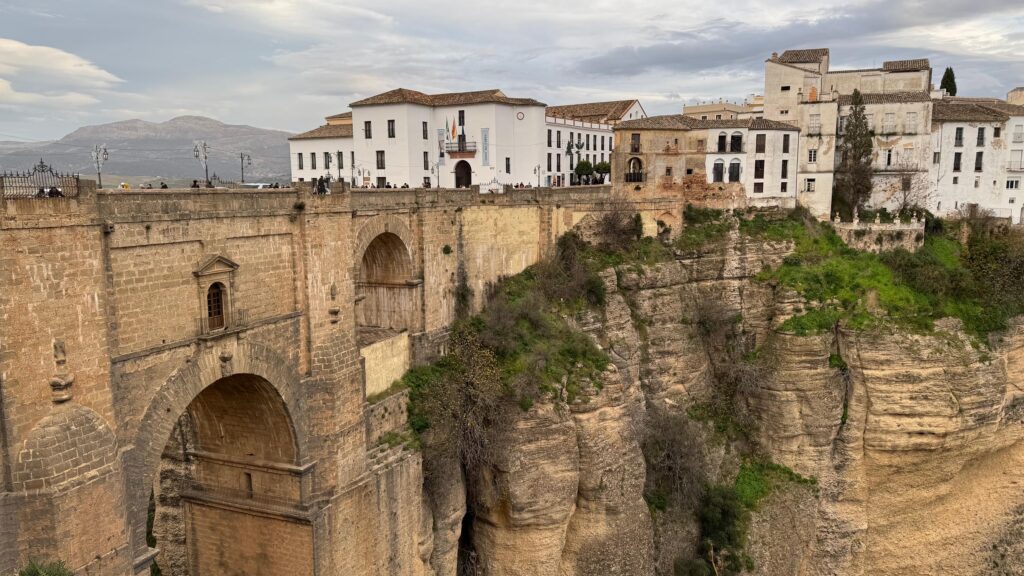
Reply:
x=406, y=138
x=764, y=161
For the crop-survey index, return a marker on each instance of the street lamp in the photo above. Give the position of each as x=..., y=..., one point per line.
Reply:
x=202, y=153
x=99, y=156
x=243, y=161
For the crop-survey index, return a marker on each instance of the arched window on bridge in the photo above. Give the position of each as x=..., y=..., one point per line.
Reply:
x=215, y=297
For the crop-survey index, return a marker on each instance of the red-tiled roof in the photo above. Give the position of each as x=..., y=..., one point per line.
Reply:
x=805, y=56
x=906, y=65
x=326, y=131
x=406, y=96
x=592, y=111
x=340, y=116
x=886, y=98
x=944, y=111
x=681, y=122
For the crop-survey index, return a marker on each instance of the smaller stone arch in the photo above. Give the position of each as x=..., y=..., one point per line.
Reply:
x=376, y=226
x=463, y=174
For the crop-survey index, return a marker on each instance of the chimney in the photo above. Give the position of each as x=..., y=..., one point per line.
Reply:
x=775, y=55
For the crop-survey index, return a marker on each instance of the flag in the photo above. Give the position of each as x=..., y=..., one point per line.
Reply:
x=447, y=129
x=455, y=133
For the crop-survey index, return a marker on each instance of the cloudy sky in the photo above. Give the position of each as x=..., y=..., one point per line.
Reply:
x=288, y=63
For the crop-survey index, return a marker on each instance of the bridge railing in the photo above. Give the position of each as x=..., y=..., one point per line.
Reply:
x=42, y=181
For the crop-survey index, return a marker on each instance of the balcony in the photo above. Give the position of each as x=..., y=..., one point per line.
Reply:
x=230, y=322
x=731, y=149
x=463, y=149
x=634, y=148
x=634, y=177
x=1015, y=166
x=959, y=142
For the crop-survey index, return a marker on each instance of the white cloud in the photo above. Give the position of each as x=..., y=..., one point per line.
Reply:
x=12, y=99
x=43, y=64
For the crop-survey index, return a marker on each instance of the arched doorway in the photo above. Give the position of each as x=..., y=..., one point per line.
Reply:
x=463, y=174
x=228, y=497
x=385, y=289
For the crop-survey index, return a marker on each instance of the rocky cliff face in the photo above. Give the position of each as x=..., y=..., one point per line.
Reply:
x=916, y=447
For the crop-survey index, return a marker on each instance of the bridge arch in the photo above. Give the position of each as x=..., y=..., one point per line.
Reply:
x=235, y=419
x=387, y=287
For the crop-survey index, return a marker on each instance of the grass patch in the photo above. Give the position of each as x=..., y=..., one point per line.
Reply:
x=909, y=289
x=703, y=227
x=758, y=477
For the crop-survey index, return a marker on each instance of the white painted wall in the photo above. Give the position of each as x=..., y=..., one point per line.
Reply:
x=318, y=146
x=987, y=188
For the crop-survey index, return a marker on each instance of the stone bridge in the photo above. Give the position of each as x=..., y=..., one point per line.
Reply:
x=184, y=373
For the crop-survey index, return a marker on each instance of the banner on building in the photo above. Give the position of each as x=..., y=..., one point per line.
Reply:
x=485, y=142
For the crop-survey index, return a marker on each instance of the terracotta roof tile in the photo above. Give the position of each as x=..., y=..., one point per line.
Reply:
x=906, y=65
x=326, y=131
x=943, y=111
x=406, y=96
x=807, y=56
x=886, y=98
x=340, y=116
x=592, y=111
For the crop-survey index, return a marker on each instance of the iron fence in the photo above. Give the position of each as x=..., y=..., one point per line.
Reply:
x=40, y=182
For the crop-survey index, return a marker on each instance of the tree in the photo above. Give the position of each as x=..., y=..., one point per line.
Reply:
x=853, y=179
x=948, y=81
x=584, y=169
x=603, y=168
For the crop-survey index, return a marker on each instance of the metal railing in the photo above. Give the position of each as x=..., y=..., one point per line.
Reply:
x=40, y=182
x=231, y=320
x=463, y=146
x=1015, y=166
x=634, y=176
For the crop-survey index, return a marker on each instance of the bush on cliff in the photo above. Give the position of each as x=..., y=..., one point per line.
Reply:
x=35, y=568
x=976, y=283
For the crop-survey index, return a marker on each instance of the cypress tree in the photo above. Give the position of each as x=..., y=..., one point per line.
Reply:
x=853, y=179
x=948, y=81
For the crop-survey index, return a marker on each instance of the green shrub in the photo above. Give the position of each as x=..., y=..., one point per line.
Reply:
x=691, y=567
x=36, y=568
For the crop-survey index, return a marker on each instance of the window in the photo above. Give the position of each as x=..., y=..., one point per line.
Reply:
x=935, y=157
x=634, y=143
x=812, y=155
x=215, y=306
x=959, y=139
x=956, y=161
x=602, y=144
x=734, y=171
x=689, y=171
x=842, y=124
x=327, y=160
x=981, y=136
x=888, y=157
x=426, y=161
x=758, y=187
x=300, y=160
x=905, y=183
x=558, y=163
x=382, y=182
x=809, y=185
x=977, y=181
x=588, y=142
x=391, y=128
x=758, y=168
x=380, y=159
x=783, y=112
x=570, y=138
x=704, y=117
x=352, y=159
x=549, y=138
x=722, y=138
x=549, y=161
x=508, y=165
x=996, y=132
x=1013, y=185
x=426, y=136
x=312, y=160
x=785, y=88
x=978, y=161
x=785, y=168
x=462, y=117
x=668, y=170
x=736, y=142
x=426, y=181
x=1018, y=133
x=718, y=171
x=815, y=124
x=558, y=139
x=634, y=170
x=889, y=123
x=718, y=116
x=956, y=179
x=759, y=143
x=785, y=143
x=341, y=160
x=367, y=130
x=783, y=187
x=911, y=123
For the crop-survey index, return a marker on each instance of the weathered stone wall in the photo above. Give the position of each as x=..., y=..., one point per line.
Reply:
x=878, y=237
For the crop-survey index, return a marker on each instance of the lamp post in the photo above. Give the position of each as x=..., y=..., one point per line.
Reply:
x=243, y=161
x=202, y=153
x=99, y=156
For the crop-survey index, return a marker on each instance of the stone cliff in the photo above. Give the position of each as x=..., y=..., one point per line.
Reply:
x=914, y=440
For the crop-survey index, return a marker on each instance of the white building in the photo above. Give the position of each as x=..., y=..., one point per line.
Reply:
x=760, y=154
x=408, y=138
x=977, y=157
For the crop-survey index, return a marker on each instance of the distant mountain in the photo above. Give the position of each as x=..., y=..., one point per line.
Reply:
x=160, y=150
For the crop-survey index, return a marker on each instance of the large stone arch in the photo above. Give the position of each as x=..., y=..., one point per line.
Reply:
x=388, y=292
x=205, y=368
